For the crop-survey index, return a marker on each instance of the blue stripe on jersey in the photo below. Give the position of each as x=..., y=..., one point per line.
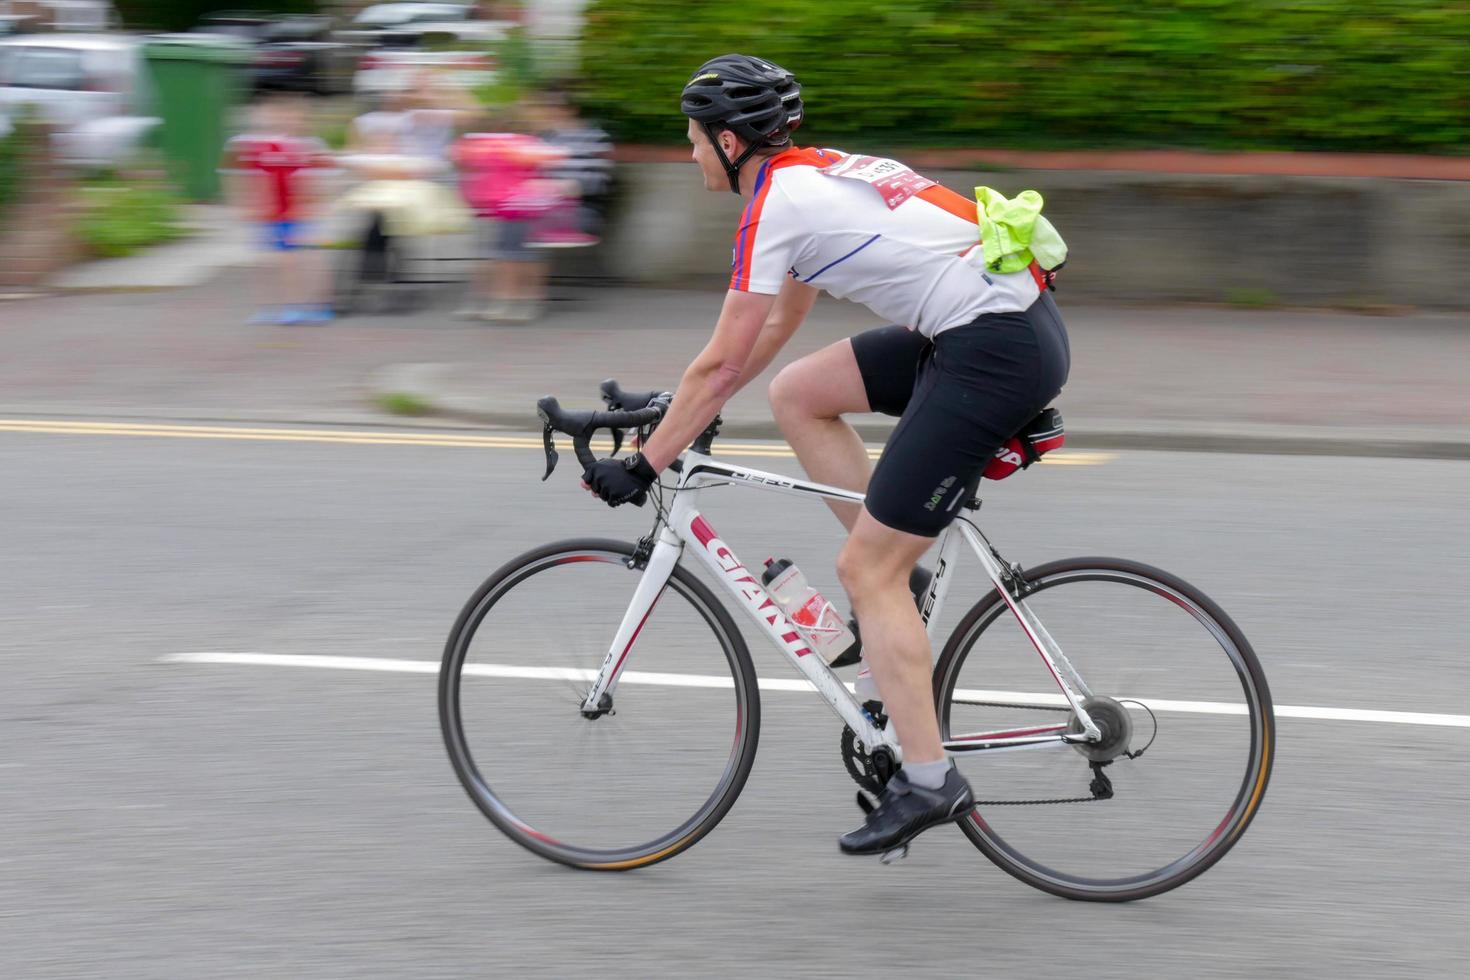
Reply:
x=843, y=259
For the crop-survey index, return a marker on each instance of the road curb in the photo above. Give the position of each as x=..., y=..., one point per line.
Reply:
x=423, y=386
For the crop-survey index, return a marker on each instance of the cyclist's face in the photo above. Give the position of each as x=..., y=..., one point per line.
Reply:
x=709, y=162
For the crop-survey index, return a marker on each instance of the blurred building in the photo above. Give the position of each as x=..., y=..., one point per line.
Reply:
x=62, y=15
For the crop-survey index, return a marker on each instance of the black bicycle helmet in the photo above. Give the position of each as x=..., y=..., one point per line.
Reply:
x=754, y=99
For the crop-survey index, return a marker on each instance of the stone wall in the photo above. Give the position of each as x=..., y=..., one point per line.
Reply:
x=36, y=230
x=1135, y=237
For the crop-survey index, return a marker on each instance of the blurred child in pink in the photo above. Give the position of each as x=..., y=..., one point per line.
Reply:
x=502, y=179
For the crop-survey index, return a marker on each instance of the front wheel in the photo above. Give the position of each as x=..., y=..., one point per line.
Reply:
x=1185, y=713
x=641, y=779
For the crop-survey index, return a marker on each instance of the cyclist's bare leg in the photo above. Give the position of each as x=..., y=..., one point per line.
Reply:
x=874, y=567
x=808, y=398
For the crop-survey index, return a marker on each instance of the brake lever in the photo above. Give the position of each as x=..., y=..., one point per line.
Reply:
x=617, y=438
x=551, y=456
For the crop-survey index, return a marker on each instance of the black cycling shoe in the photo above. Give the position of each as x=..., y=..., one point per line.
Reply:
x=904, y=811
x=919, y=580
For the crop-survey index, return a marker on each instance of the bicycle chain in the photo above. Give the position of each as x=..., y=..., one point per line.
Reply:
x=1096, y=797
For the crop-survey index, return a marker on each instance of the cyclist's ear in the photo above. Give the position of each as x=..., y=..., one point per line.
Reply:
x=732, y=145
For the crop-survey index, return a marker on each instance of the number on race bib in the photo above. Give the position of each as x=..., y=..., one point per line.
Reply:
x=896, y=182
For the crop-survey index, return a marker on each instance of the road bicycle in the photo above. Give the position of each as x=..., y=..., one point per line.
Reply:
x=614, y=710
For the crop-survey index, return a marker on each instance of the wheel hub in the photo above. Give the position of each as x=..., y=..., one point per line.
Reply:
x=1114, y=726
x=604, y=707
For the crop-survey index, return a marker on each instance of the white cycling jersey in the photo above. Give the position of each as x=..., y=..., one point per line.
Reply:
x=873, y=231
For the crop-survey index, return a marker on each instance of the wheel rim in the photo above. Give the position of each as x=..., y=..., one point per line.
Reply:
x=620, y=790
x=1096, y=847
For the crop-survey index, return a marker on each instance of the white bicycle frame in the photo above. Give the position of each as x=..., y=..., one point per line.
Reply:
x=686, y=527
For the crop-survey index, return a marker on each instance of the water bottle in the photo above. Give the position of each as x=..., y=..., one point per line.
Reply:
x=818, y=621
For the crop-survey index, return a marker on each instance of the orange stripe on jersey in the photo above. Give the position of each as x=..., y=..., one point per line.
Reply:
x=749, y=225
x=956, y=204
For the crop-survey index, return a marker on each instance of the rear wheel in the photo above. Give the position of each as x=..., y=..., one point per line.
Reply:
x=644, y=777
x=1188, y=731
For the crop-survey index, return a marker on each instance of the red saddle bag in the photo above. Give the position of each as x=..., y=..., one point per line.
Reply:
x=1037, y=438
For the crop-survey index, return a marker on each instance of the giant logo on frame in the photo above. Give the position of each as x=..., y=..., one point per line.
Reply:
x=751, y=592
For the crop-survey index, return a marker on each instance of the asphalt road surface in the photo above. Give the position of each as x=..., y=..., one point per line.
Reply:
x=167, y=819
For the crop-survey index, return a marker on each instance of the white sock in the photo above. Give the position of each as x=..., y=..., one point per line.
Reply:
x=927, y=775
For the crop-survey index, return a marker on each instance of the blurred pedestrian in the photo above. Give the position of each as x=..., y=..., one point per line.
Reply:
x=585, y=164
x=275, y=173
x=503, y=178
x=399, y=155
x=419, y=120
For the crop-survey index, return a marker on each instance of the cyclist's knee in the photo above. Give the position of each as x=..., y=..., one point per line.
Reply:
x=862, y=569
x=818, y=386
x=850, y=572
x=789, y=390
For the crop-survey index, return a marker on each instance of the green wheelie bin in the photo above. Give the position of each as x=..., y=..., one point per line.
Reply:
x=198, y=82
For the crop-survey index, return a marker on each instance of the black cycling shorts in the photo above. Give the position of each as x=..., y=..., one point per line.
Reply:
x=960, y=396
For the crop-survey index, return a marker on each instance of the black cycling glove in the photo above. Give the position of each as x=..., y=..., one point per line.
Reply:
x=621, y=481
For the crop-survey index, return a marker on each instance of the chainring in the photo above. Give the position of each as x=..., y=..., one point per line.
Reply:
x=871, y=774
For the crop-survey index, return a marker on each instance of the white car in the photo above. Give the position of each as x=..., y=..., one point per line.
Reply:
x=392, y=23
x=381, y=15
x=387, y=70
x=396, y=59
x=91, y=88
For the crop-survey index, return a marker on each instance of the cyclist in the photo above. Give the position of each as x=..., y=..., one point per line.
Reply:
x=974, y=355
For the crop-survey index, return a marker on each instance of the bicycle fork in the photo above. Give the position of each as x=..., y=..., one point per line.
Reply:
x=656, y=572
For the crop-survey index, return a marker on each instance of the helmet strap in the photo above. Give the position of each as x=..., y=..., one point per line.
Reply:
x=732, y=170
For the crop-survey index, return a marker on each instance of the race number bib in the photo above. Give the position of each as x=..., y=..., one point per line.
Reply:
x=890, y=178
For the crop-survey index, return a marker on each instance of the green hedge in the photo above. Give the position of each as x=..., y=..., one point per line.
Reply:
x=1371, y=75
x=119, y=215
x=21, y=153
x=12, y=172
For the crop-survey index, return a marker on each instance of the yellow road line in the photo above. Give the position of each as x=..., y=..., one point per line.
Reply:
x=774, y=450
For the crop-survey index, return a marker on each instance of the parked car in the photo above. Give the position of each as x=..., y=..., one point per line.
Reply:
x=401, y=50
x=91, y=88
x=12, y=24
x=385, y=70
x=304, y=53
x=298, y=52
x=372, y=22
x=242, y=25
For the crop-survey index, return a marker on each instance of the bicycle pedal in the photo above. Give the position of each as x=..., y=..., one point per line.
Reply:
x=895, y=855
x=866, y=803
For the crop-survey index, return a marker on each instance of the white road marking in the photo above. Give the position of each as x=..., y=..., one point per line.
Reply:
x=783, y=684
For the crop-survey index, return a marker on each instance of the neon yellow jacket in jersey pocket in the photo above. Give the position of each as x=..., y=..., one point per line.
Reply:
x=1013, y=232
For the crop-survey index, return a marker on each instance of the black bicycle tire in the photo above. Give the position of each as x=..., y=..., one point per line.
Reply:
x=1263, y=733
x=623, y=859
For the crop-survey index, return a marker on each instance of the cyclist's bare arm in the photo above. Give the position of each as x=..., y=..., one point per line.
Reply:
x=752, y=329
